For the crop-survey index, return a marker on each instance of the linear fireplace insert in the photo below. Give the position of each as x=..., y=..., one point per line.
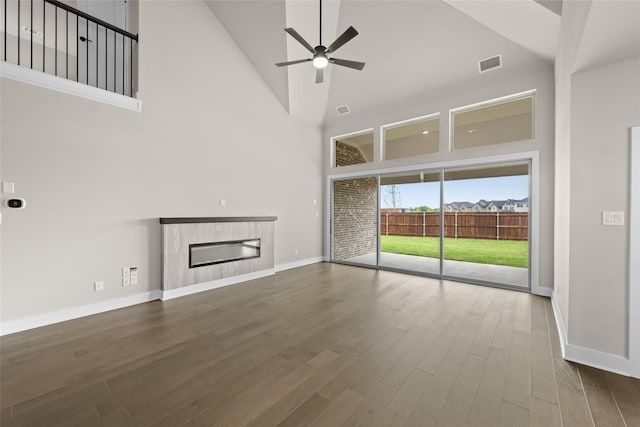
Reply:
x=201, y=254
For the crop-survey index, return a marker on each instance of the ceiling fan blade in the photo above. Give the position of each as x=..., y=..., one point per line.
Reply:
x=345, y=37
x=298, y=61
x=349, y=64
x=293, y=33
x=319, y=75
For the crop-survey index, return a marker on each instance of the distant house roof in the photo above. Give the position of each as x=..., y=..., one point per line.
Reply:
x=464, y=204
x=484, y=204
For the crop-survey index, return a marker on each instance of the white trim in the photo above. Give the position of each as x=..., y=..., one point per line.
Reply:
x=114, y=304
x=597, y=359
x=383, y=128
x=76, y=312
x=634, y=256
x=475, y=161
x=586, y=356
x=499, y=100
x=332, y=145
x=534, y=217
x=300, y=263
x=562, y=332
x=214, y=284
x=49, y=81
x=496, y=101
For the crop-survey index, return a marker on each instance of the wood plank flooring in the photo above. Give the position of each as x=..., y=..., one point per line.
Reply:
x=322, y=345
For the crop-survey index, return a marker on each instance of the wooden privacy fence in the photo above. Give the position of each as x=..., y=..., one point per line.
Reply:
x=468, y=225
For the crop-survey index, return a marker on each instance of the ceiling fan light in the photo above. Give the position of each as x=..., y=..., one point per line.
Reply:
x=320, y=62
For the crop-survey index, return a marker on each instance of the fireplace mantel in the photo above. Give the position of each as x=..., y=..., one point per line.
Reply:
x=181, y=275
x=199, y=219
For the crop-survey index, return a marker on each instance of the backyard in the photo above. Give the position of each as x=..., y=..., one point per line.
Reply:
x=514, y=253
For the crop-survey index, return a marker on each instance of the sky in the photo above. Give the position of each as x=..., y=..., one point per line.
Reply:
x=464, y=190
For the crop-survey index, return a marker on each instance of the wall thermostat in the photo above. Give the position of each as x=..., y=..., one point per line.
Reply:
x=15, y=203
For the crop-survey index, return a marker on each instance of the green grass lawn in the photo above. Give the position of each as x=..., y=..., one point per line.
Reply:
x=499, y=252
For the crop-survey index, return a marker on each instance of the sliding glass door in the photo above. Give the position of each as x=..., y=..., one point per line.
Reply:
x=410, y=222
x=486, y=223
x=470, y=224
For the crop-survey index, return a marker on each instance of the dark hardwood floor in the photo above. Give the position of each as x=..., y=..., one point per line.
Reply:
x=322, y=345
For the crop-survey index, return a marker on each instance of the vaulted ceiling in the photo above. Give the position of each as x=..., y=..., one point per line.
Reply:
x=411, y=48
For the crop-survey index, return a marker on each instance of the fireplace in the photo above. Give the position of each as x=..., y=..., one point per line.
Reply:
x=202, y=254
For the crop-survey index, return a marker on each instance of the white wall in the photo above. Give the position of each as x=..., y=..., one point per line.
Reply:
x=538, y=76
x=574, y=18
x=96, y=178
x=605, y=105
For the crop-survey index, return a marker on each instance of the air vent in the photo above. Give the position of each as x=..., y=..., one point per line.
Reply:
x=343, y=109
x=490, y=63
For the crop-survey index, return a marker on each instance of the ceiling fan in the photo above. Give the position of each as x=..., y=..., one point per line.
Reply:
x=321, y=54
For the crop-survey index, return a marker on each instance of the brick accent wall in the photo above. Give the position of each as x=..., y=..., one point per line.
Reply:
x=354, y=226
x=348, y=155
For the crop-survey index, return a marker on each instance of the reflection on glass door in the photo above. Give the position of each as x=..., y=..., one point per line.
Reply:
x=410, y=222
x=354, y=223
x=486, y=224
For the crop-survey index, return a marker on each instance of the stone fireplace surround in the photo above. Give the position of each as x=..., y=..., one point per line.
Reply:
x=178, y=234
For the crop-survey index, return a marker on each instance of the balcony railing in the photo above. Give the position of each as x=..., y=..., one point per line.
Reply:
x=55, y=38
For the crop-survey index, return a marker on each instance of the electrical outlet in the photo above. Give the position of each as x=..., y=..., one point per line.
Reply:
x=98, y=286
x=134, y=279
x=613, y=218
x=223, y=202
x=126, y=281
x=125, y=271
x=295, y=252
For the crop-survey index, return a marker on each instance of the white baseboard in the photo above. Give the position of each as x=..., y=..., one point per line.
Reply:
x=76, y=312
x=301, y=263
x=59, y=84
x=114, y=304
x=586, y=356
x=542, y=291
x=214, y=284
x=597, y=359
x=562, y=332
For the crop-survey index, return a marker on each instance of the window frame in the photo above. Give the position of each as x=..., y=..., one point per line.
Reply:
x=383, y=129
x=492, y=102
x=332, y=145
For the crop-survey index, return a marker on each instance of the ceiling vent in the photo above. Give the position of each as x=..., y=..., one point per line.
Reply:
x=490, y=63
x=343, y=109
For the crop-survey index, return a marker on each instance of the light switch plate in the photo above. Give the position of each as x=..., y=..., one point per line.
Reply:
x=8, y=187
x=613, y=218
